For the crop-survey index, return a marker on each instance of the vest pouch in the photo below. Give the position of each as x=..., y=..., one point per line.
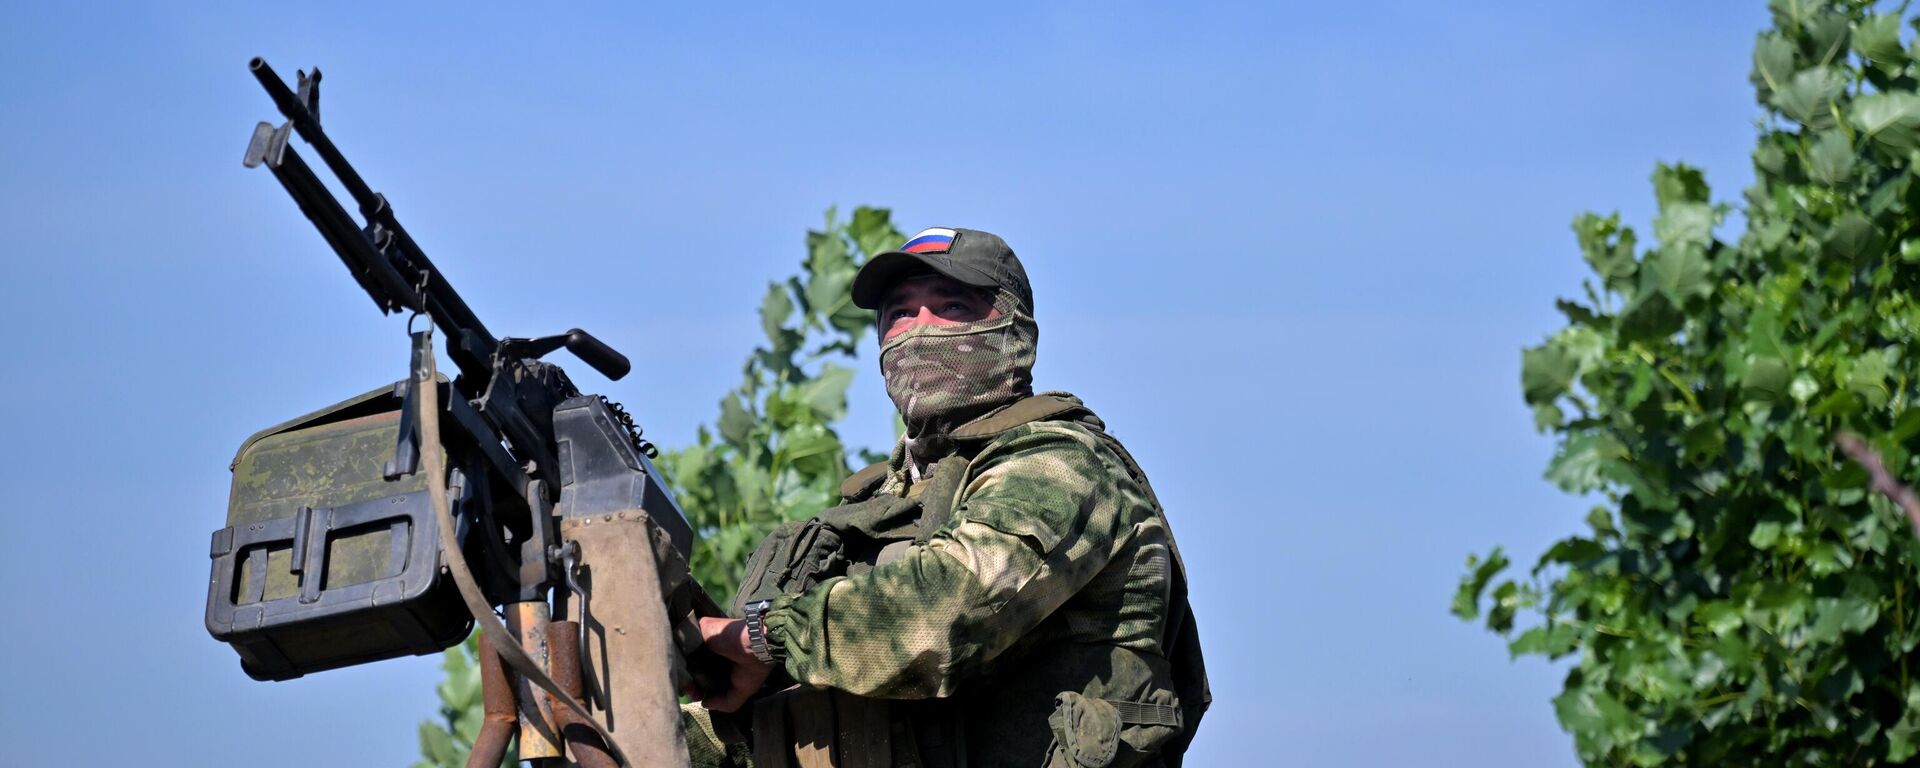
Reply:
x=1090, y=732
x=841, y=541
x=1086, y=732
x=797, y=555
x=766, y=566
x=818, y=555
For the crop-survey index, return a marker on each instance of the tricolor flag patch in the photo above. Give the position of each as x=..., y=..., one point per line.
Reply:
x=933, y=240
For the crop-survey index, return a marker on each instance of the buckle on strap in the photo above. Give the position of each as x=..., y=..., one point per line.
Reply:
x=1138, y=713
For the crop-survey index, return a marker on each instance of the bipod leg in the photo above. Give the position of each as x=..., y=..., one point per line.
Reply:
x=563, y=643
x=496, y=694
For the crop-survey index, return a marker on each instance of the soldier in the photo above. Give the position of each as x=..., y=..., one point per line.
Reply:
x=1003, y=591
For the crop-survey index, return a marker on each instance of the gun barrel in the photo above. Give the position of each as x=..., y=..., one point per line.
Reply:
x=403, y=255
x=374, y=273
x=308, y=126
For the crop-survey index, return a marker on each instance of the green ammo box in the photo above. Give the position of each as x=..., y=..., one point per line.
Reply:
x=325, y=562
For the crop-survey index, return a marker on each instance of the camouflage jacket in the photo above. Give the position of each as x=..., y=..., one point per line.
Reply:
x=1041, y=606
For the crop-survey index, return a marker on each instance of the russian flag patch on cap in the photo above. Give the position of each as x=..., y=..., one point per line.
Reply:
x=933, y=240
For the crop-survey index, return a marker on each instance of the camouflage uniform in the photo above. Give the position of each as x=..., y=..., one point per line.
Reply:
x=1011, y=598
x=1053, y=575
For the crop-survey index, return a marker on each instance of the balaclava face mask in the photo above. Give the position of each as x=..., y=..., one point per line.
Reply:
x=938, y=373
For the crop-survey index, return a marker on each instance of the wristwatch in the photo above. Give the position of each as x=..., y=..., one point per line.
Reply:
x=757, y=630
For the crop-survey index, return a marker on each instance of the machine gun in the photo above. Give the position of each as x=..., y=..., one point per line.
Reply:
x=350, y=531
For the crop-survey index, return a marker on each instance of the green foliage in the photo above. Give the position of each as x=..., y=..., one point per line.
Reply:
x=444, y=743
x=1739, y=594
x=774, y=455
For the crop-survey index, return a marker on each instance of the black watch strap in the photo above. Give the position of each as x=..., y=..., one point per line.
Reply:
x=757, y=630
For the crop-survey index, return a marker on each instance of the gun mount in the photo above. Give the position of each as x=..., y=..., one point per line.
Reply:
x=335, y=552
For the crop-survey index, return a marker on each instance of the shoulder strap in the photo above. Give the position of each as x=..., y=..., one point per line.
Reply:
x=1046, y=406
x=942, y=490
x=861, y=483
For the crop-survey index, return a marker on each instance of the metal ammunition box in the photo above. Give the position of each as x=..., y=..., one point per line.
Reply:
x=325, y=562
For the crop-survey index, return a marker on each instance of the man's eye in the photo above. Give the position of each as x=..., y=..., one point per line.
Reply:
x=959, y=307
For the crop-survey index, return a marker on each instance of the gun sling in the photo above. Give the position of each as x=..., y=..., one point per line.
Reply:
x=433, y=456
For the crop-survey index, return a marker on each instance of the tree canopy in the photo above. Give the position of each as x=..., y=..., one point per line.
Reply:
x=1738, y=592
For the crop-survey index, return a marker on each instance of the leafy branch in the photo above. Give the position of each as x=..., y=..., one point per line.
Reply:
x=774, y=454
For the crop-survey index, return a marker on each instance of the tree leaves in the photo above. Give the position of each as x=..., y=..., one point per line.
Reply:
x=826, y=394
x=1679, y=270
x=1773, y=65
x=872, y=231
x=1466, y=599
x=1891, y=120
x=1545, y=373
x=1867, y=378
x=1582, y=463
x=774, y=311
x=1678, y=184
x=777, y=456
x=1739, y=598
x=1767, y=380
x=736, y=422
x=1809, y=96
x=1877, y=39
x=1822, y=33
x=1549, y=370
x=1607, y=248
x=1831, y=159
x=1649, y=316
x=1594, y=716
x=1852, y=237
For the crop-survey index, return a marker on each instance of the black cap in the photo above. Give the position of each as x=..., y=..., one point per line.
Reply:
x=979, y=259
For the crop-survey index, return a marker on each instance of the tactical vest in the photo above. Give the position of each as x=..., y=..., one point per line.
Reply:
x=806, y=727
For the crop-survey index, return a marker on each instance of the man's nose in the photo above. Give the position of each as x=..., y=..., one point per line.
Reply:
x=926, y=317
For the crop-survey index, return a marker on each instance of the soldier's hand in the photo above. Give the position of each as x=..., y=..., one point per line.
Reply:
x=728, y=637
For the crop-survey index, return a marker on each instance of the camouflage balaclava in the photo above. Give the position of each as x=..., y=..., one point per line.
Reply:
x=937, y=374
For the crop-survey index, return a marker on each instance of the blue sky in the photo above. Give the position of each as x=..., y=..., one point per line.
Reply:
x=1290, y=253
